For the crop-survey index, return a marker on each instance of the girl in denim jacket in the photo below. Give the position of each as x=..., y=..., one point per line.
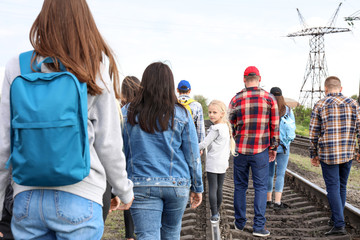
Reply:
x=163, y=157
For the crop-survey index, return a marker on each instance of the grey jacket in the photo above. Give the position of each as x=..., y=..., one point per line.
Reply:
x=105, y=141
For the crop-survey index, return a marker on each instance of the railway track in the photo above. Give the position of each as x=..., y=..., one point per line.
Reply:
x=306, y=219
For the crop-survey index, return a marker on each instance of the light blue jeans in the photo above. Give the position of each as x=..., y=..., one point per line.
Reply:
x=281, y=160
x=49, y=214
x=157, y=212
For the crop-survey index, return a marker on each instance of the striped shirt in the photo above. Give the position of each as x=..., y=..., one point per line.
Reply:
x=254, y=117
x=334, y=126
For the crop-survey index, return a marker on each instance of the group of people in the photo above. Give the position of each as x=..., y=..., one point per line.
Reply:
x=145, y=143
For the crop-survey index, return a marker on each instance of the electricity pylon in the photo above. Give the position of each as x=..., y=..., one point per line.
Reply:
x=353, y=17
x=316, y=68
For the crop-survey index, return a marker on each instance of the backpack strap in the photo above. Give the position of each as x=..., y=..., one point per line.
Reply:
x=187, y=102
x=25, y=61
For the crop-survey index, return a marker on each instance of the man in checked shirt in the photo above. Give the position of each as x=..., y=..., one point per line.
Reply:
x=334, y=126
x=253, y=114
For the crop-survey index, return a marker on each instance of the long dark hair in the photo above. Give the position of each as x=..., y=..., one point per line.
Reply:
x=65, y=30
x=281, y=105
x=154, y=106
x=129, y=89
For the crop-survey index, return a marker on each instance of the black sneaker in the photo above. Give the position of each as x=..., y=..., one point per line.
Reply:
x=269, y=204
x=237, y=228
x=336, y=231
x=280, y=206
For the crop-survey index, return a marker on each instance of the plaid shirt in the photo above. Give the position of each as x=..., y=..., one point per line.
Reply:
x=254, y=117
x=198, y=116
x=334, y=125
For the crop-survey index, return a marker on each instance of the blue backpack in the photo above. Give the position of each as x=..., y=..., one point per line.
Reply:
x=49, y=140
x=287, y=130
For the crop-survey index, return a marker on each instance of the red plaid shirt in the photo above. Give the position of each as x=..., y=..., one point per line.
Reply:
x=254, y=117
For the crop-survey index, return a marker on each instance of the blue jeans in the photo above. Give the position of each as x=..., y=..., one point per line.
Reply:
x=259, y=164
x=49, y=214
x=281, y=160
x=157, y=212
x=335, y=177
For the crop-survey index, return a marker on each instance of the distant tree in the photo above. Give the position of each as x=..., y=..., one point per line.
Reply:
x=203, y=101
x=302, y=115
x=354, y=97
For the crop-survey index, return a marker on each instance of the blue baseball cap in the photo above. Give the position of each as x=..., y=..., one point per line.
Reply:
x=184, y=85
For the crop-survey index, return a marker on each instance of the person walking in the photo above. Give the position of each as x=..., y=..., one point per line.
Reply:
x=219, y=143
x=334, y=127
x=71, y=211
x=163, y=156
x=254, y=118
x=194, y=107
x=287, y=134
x=129, y=89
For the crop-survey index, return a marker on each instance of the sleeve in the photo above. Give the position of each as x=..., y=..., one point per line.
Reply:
x=314, y=131
x=358, y=125
x=4, y=138
x=232, y=115
x=212, y=135
x=109, y=143
x=200, y=125
x=274, y=124
x=191, y=152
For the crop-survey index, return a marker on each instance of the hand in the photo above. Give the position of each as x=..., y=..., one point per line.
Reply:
x=272, y=155
x=195, y=199
x=358, y=157
x=1, y=235
x=201, y=152
x=114, y=204
x=315, y=161
x=126, y=206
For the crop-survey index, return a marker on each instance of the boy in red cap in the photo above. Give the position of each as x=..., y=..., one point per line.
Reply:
x=254, y=118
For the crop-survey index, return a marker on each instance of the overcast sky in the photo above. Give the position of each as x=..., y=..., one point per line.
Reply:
x=209, y=42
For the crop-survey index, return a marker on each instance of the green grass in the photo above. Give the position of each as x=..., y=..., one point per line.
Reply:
x=305, y=164
x=302, y=130
x=114, y=226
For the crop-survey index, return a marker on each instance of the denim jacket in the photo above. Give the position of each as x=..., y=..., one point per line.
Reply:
x=169, y=158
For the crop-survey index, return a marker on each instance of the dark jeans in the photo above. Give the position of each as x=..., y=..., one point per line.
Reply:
x=106, y=201
x=129, y=225
x=259, y=164
x=216, y=182
x=335, y=177
x=5, y=222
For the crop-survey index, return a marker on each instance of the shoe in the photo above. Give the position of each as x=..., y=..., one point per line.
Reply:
x=269, y=204
x=261, y=233
x=215, y=218
x=336, y=231
x=240, y=229
x=280, y=206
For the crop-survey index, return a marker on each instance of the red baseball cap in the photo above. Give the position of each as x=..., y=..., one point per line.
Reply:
x=251, y=71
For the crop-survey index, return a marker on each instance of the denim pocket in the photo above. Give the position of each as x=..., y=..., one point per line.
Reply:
x=72, y=209
x=181, y=192
x=141, y=193
x=21, y=205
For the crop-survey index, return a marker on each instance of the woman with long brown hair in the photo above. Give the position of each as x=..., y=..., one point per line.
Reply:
x=66, y=33
x=162, y=154
x=282, y=156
